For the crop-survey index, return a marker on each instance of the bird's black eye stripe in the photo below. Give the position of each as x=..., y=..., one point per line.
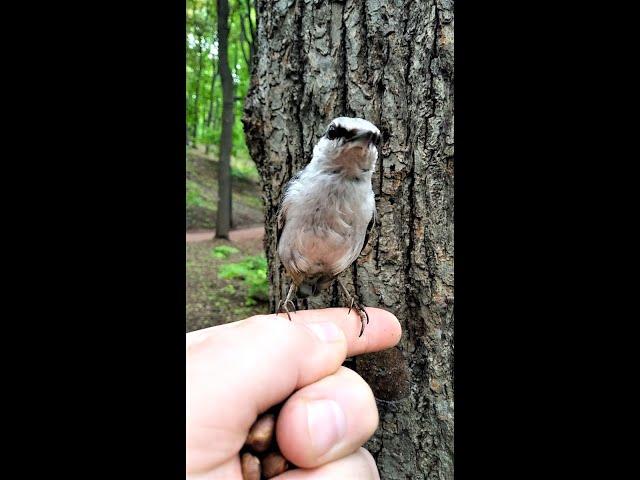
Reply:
x=335, y=132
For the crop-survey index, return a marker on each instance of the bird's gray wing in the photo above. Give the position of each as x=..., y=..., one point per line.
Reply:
x=368, y=232
x=329, y=278
x=281, y=216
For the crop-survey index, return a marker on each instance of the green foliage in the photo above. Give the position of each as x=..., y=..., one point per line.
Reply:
x=204, y=90
x=194, y=195
x=223, y=251
x=197, y=197
x=253, y=272
x=243, y=168
x=251, y=201
x=229, y=289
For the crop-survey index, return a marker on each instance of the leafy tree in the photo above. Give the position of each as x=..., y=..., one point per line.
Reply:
x=223, y=223
x=204, y=90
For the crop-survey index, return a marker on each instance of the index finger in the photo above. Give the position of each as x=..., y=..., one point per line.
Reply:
x=382, y=332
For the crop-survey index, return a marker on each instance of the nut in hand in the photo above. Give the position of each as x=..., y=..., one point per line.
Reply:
x=250, y=467
x=274, y=464
x=261, y=433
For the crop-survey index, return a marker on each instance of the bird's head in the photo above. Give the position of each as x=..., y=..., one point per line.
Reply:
x=349, y=147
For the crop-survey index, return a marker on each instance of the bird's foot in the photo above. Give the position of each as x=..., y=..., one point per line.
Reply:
x=282, y=308
x=364, y=316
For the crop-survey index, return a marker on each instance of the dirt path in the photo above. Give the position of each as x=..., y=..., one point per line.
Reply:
x=241, y=235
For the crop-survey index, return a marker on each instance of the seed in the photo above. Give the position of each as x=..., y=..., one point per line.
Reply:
x=261, y=433
x=273, y=464
x=250, y=467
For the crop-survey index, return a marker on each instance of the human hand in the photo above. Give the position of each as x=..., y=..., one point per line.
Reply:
x=239, y=370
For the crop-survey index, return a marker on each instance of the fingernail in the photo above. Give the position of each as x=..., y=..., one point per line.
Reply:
x=326, y=331
x=327, y=424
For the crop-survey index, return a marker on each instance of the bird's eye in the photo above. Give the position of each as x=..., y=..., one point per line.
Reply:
x=332, y=132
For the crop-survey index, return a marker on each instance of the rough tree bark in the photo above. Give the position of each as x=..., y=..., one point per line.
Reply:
x=391, y=62
x=223, y=222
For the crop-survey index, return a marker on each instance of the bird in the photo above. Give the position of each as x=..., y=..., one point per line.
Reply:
x=327, y=211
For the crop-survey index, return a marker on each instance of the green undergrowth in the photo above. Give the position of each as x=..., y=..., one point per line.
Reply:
x=223, y=251
x=202, y=191
x=252, y=270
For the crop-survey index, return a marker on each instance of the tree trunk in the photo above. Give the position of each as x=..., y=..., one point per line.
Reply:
x=212, y=95
x=211, y=104
x=186, y=124
x=390, y=62
x=223, y=224
x=197, y=99
x=214, y=75
x=248, y=32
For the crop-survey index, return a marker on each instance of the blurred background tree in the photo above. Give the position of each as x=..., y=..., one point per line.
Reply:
x=204, y=89
x=226, y=277
x=218, y=68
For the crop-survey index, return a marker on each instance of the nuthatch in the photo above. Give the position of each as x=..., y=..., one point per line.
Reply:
x=328, y=209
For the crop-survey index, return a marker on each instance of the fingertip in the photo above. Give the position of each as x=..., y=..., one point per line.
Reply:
x=383, y=332
x=359, y=464
x=391, y=329
x=292, y=426
x=327, y=420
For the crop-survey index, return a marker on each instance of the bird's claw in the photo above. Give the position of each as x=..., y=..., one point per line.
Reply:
x=287, y=301
x=293, y=305
x=364, y=319
x=364, y=316
x=282, y=307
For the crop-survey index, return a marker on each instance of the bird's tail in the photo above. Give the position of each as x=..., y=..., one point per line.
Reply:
x=305, y=290
x=313, y=286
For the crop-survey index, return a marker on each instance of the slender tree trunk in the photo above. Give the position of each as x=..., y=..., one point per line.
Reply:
x=390, y=62
x=248, y=32
x=212, y=91
x=214, y=75
x=197, y=99
x=223, y=224
x=186, y=126
x=211, y=101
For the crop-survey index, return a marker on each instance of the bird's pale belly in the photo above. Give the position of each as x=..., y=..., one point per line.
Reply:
x=322, y=238
x=324, y=251
x=319, y=249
